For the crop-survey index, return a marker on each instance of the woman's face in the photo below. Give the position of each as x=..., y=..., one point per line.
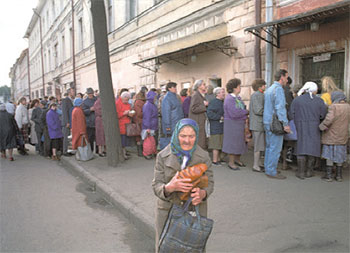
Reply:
x=187, y=138
x=237, y=90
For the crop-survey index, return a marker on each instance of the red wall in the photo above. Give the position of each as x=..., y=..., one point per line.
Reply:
x=302, y=6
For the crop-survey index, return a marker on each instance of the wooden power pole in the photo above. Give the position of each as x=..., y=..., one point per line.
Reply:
x=109, y=113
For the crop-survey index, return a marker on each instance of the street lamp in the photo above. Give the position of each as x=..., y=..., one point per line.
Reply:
x=42, y=53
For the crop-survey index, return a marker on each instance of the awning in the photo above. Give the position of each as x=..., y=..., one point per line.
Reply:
x=298, y=22
x=182, y=56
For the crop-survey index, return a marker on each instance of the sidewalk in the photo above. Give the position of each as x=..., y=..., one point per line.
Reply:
x=251, y=212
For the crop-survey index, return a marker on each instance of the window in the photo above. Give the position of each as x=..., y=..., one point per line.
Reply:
x=55, y=55
x=36, y=93
x=131, y=9
x=63, y=50
x=110, y=16
x=32, y=94
x=81, y=34
x=41, y=92
x=49, y=61
x=71, y=41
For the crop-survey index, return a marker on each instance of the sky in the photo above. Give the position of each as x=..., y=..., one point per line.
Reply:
x=15, y=16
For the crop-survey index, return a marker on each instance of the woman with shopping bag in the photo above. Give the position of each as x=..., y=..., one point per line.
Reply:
x=168, y=186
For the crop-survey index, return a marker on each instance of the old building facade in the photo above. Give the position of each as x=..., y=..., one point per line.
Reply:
x=19, y=77
x=152, y=42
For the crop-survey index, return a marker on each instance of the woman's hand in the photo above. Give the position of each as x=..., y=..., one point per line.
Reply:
x=126, y=112
x=198, y=195
x=178, y=184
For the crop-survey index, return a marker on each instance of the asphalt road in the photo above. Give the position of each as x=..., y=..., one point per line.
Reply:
x=43, y=208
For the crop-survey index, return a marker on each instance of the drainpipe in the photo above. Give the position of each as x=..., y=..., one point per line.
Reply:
x=269, y=49
x=41, y=50
x=257, y=53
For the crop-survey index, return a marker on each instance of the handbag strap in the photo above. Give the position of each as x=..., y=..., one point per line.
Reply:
x=82, y=141
x=196, y=207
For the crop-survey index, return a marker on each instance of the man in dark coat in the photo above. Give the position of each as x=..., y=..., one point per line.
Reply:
x=39, y=127
x=307, y=110
x=89, y=111
x=67, y=107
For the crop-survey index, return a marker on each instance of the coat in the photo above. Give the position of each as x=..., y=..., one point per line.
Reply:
x=138, y=105
x=186, y=106
x=122, y=119
x=150, y=113
x=214, y=112
x=256, y=112
x=275, y=102
x=36, y=117
x=234, y=125
x=67, y=107
x=198, y=112
x=89, y=115
x=99, y=129
x=7, y=131
x=21, y=115
x=78, y=127
x=307, y=113
x=335, y=126
x=54, y=124
x=165, y=168
x=33, y=136
x=171, y=112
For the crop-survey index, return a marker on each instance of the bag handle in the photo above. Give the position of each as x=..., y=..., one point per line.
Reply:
x=196, y=207
x=82, y=141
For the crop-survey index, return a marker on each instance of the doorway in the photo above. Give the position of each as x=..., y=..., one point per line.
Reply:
x=313, y=70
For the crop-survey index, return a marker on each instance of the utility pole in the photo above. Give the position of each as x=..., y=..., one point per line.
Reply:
x=73, y=47
x=109, y=113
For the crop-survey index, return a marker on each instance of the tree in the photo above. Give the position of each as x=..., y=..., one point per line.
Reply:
x=109, y=113
x=5, y=92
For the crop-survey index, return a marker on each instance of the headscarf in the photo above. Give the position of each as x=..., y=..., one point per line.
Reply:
x=2, y=107
x=182, y=155
x=78, y=102
x=308, y=87
x=337, y=96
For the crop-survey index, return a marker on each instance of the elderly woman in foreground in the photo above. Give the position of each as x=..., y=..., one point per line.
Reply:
x=182, y=151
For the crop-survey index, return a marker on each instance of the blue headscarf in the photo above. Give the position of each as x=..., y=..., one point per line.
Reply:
x=78, y=102
x=175, y=144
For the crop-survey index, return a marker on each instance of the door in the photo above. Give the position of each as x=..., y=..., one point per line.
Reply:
x=314, y=71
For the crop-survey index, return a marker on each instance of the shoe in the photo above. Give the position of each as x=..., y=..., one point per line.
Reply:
x=258, y=170
x=148, y=157
x=233, y=168
x=309, y=172
x=102, y=155
x=54, y=158
x=338, y=174
x=278, y=176
x=11, y=159
x=216, y=163
x=301, y=169
x=328, y=175
x=240, y=164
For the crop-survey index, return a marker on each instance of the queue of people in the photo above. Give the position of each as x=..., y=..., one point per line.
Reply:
x=222, y=117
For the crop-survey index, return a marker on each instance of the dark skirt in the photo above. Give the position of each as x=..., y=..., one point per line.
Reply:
x=56, y=143
x=234, y=137
x=125, y=140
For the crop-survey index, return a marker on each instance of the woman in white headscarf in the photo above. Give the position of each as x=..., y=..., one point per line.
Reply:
x=307, y=110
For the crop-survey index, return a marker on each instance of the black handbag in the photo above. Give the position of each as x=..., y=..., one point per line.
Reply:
x=183, y=232
x=276, y=125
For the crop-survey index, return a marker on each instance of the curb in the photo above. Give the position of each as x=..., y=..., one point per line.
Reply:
x=137, y=217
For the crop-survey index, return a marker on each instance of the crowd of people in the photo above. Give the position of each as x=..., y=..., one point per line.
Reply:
x=320, y=117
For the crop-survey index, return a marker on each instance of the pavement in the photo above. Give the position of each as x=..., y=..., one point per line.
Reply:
x=251, y=213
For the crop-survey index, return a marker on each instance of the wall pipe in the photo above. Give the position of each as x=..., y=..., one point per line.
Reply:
x=269, y=47
x=257, y=52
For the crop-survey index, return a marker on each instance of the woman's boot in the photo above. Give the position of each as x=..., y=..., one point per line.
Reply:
x=338, y=175
x=139, y=150
x=328, y=176
x=310, y=166
x=301, y=169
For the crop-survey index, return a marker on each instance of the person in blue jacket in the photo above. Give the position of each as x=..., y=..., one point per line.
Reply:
x=171, y=113
x=275, y=102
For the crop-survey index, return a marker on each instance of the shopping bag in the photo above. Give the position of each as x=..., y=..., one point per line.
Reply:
x=133, y=129
x=183, y=232
x=84, y=153
x=149, y=146
x=292, y=136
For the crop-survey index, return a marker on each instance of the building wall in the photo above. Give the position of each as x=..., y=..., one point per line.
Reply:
x=164, y=28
